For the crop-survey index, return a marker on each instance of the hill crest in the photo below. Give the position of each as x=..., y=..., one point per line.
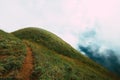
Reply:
x=56, y=59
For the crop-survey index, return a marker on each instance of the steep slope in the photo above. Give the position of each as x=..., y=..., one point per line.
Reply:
x=49, y=65
x=12, y=54
x=55, y=59
x=52, y=42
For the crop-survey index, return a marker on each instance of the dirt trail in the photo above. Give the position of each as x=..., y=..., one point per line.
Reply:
x=27, y=66
x=3, y=56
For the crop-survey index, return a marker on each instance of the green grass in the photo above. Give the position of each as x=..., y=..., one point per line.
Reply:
x=12, y=53
x=50, y=65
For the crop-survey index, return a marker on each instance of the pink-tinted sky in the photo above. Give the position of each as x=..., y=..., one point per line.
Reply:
x=66, y=18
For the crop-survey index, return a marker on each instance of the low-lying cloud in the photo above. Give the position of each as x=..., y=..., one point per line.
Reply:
x=98, y=50
x=109, y=59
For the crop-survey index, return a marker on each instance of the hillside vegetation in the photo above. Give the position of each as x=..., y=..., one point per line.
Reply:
x=12, y=53
x=53, y=58
x=49, y=65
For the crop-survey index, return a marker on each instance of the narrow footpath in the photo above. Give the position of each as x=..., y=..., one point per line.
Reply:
x=27, y=66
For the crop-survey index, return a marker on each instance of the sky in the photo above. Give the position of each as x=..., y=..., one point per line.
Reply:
x=81, y=23
x=66, y=18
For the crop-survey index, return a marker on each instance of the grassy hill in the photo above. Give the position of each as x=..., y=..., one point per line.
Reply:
x=51, y=41
x=53, y=58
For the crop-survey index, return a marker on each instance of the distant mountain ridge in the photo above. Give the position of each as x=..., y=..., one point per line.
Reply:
x=53, y=58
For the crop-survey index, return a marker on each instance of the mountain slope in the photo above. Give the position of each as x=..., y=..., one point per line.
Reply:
x=49, y=65
x=51, y=42
x=52, y=58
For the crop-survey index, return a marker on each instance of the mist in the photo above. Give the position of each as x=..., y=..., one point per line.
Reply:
x=98, y=49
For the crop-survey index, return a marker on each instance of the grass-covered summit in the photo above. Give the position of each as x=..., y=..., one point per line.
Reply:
x=53, y=58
